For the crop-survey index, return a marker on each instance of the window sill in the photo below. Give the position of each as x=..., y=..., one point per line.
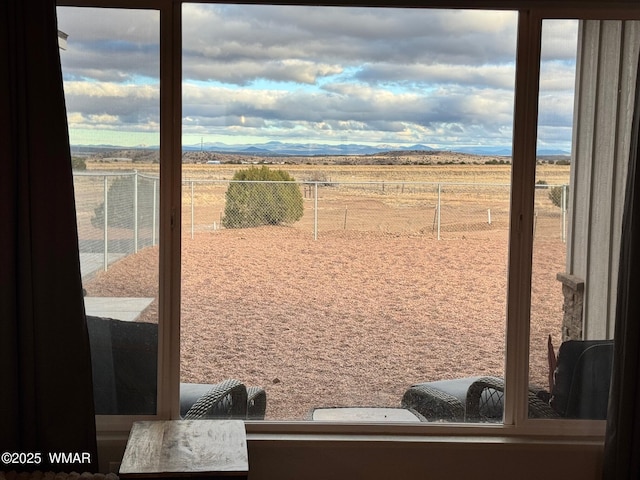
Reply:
x=594, y=429
x=318, y=450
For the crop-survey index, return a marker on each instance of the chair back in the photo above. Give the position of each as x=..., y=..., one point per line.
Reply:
x=124, y=357
x=582, y=378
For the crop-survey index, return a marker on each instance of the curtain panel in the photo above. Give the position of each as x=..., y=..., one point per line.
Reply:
x=622, y=441
x=46, y=404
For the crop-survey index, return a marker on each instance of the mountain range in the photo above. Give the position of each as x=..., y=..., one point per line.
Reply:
x=275, y=148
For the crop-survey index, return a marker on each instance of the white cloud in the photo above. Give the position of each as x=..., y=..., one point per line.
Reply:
x=110, y=44
x=495, y=76
x=232, y=36
x=559, y=40
x=112, y=90
x=96, y=105
x=365, y=74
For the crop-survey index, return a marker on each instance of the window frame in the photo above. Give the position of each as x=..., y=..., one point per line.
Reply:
x=516, y=423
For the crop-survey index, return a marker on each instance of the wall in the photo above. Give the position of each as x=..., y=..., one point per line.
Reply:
x=437, y=460
x=273, y=457
x=606, y=71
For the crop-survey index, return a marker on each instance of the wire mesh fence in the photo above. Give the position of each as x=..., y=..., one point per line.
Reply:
x=443, y=210
x=118, y=213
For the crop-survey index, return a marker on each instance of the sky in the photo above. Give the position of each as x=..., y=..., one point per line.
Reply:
x=255, y=73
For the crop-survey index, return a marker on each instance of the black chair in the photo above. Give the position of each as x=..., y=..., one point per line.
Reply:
x=124, y=358
x=580, y=390
x=441, y=400
x=227, y=398
x=582, y=379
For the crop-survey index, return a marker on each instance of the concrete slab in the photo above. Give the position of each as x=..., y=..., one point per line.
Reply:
x=364, y=414
x=121, y=308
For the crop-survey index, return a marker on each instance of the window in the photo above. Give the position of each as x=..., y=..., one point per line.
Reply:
x=200, y=218
x=551, y=216
x=393, y=272
x=111, y=82
x=583, y=193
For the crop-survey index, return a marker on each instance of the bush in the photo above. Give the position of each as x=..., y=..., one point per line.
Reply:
x=555, y=195
x=78, y=163
x=121, y=205
x=251, y=204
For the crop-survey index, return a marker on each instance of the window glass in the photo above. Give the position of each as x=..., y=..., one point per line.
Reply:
x=346, y=184
x=110, y=65
x=583, y=152
x=550, y=229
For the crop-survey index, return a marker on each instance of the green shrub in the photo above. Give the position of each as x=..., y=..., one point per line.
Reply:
x=555, y=195
x=250, y=204
x=78, y=163
x=121, y=204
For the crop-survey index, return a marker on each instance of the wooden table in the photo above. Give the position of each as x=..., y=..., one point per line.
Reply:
x=186, y=448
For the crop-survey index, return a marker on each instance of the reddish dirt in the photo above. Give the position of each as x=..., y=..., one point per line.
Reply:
x=349, y=319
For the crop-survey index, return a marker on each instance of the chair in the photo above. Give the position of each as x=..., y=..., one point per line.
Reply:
x=228, y=398
x=124, y=363
x=445, y=400
x=580, y=390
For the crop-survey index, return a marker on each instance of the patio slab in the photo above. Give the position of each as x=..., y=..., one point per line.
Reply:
x=121, y=308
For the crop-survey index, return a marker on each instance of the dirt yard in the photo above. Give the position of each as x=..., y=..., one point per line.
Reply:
x=349, y=319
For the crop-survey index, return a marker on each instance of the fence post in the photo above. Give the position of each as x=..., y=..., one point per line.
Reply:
x=135, y=211
x=563, y=209
x=192, y=214
x=155, y=206
x=439, y=194
x=315, y=211
x=106, y=224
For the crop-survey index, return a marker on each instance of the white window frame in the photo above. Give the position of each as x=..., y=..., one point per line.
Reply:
x=516, y=422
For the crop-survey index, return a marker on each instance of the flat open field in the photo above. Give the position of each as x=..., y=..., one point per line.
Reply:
x=383, y=198
x=469, y=173
x=355, y=317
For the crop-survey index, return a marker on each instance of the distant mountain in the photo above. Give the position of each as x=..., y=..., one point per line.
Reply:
x=93, y=149
x=478, y=150
x=256, y=151
x=302, y=149
x=311, y=149
x=552, y=152
x=276, y=148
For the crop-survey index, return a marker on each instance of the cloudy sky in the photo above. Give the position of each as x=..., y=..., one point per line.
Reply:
x=253, y=74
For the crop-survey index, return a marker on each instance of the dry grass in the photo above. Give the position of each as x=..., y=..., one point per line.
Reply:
x=470, y=173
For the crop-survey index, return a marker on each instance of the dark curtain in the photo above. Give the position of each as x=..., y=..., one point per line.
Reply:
x=46, y=398
x=622, y=443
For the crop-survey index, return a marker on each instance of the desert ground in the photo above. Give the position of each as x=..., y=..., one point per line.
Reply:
x=353, y=317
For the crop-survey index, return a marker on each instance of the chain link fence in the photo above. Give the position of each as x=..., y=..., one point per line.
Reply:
x=117, y=214
x=442, y=210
